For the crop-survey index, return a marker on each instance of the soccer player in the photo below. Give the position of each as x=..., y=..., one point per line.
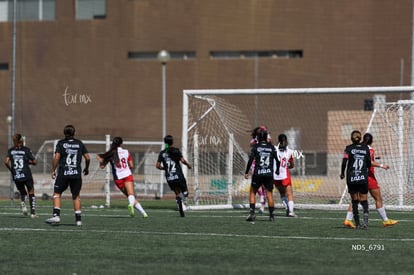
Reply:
x=67, y=160
x=373, y=188
x=357, y=161
x=122, y=164
x=283, y=181
x=169, y=160
x=261, y=192
x=18, y=161
x=264, y=154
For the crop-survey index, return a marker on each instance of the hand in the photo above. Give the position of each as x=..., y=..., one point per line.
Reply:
x=277, y=172
x=86, y=171
x=342, y=176
x=53, y=175
x=246, y=176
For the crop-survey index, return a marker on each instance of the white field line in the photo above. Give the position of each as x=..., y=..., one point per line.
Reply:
x=51, y=229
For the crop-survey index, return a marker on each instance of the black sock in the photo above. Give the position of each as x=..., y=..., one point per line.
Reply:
x=180, y=206
x=366, y=211
x=56, y=212
x=78, y=216
x=252, y=208
x=355, y=211
x=32, y=201
x=271, y=210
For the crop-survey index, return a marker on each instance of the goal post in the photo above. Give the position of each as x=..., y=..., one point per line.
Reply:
x=318, y=122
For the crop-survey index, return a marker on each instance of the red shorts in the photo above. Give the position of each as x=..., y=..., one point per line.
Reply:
x=284, y=182
x=372, y=183
x=121, y=182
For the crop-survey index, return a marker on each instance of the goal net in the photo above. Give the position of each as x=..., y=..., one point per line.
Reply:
x=318, y=122
x=148, y=181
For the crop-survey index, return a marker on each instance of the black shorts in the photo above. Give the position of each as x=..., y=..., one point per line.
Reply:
x=181, y=185
x=361, y=188
x=27, y=183
x=258, y=181
x=62, y=183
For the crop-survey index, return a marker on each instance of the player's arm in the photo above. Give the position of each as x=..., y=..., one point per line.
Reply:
x=343, y=166
x=7, y=163
x=159, y=166
x=87, y=162
x=249, y=164
x=277, y=162
x=380, y=165
x=55, y=164
x=291, y=163
x=101, y=161
x=185, y=162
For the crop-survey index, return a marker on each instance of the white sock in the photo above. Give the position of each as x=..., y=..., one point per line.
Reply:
x=291, y=205
x=349, y=215
x=131, y=199
x=140, y=209
x=382, y=213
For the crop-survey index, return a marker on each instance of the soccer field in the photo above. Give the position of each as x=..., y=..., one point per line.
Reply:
x=204, y=242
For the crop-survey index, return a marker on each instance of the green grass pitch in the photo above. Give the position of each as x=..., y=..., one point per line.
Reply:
x=204, y=242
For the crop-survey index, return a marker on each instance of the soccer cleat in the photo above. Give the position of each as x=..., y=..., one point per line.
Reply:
x=251, y=217
x=389, y=222
x=145, y=215
x=271, y=218
x=78, y=223
x=362, y=227
x=33, y=216
x=291, y=215
x=131, y=210
x=349, y=223
x=24, y=208
x=53, y=220
x=261, y=210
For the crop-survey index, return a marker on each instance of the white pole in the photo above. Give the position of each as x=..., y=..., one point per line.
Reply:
x=184, y=135
x=230, y=170
x=13, y=90
x=164, y=115
x=107, y=174
x=401, y=155
x=412, y=44
x=195, y=170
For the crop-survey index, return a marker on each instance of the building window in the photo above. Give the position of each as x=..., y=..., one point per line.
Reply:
x=90, y=9
x=4, y=66
x=28, y=10
x=256, y=54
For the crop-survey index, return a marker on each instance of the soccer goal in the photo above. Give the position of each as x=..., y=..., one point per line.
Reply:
x=318, y=123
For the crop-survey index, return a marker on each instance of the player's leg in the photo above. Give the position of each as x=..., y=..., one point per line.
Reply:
x=270, y=202
x=291, y=204
x=363, y=198
x=349, y=217
x=178, y=199
x=355, y=202
x=184, y=192
x=61, y=184
x=23, y=194
x=376, y=194
x=75, y=188
x=262, y=198
x=252, y=202
x=32, y=197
